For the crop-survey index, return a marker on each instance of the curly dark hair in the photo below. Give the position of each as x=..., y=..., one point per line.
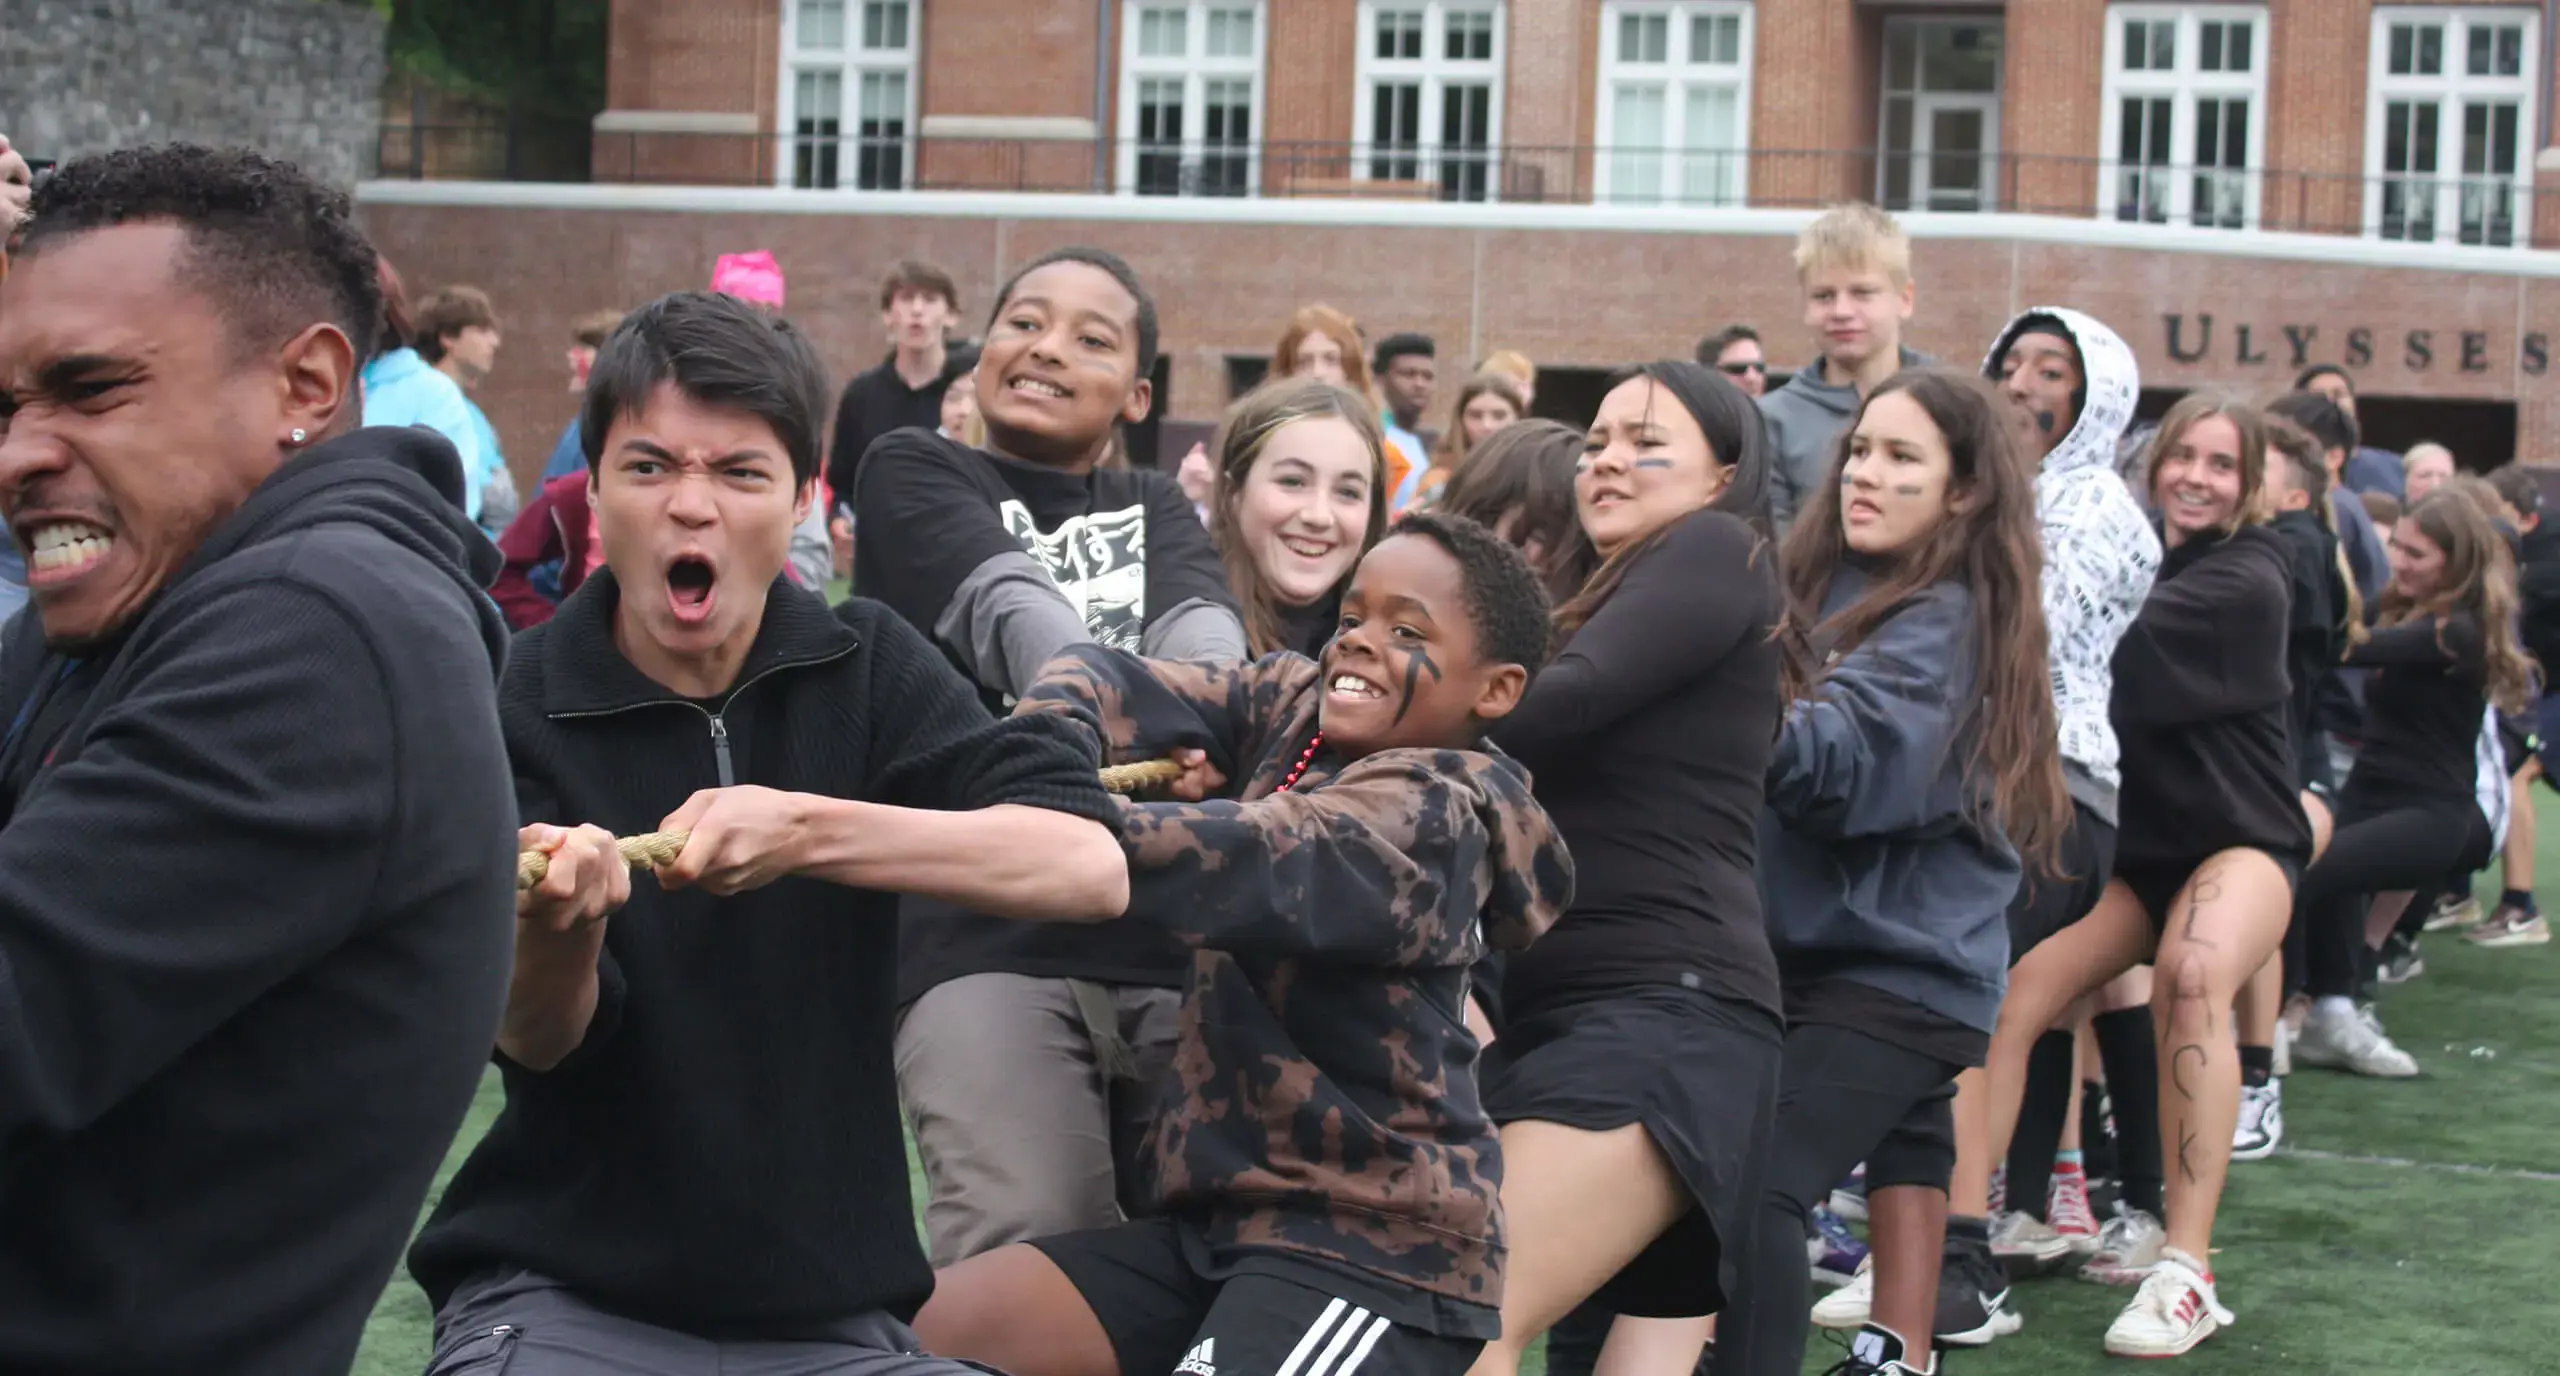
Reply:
x=274, y=250
x=1109, y=263
x=1505, y=599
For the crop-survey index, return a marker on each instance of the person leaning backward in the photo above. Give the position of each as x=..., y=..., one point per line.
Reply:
x=257, y=839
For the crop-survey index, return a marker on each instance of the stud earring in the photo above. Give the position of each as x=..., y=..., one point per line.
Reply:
x=299, y=435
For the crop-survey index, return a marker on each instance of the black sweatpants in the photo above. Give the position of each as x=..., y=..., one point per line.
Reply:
x=2382, y=843
x=1843, y=1097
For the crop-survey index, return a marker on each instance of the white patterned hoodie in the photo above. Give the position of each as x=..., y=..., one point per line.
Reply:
x=2100, y=553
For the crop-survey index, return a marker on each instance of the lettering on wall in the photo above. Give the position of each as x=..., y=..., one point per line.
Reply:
x=2195, y=338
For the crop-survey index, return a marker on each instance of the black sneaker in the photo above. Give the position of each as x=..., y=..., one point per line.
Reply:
x=1973, y=1295
x=1877, y=1351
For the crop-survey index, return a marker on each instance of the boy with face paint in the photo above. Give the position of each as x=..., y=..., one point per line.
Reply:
x=1325, y=1175
x=1025, y=1053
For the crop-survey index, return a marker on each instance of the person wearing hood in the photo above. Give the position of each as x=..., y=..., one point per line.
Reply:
x=1321, y=1147
x=1854, y=265
x=700, y=1164
x=257, y=836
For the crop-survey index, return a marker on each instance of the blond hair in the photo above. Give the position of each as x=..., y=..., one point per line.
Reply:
x=1855, y=235
x=1513, y=364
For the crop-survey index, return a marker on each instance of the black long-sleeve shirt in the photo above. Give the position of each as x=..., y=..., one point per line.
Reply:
x=1648, y=740
x=2315, y=634
x=2423, y=707
x=2203, y=706
x=723, y=1149
x=256, y=900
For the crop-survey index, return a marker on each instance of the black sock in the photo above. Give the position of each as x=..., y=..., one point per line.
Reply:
x=2133, y=1083
x=2257, y=1065
x=2039, y=1134
x=2097, y=1144
x=1976, y=1229
x=2521, y=899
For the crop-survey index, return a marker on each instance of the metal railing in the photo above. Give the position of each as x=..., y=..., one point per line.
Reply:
x=2420, y=207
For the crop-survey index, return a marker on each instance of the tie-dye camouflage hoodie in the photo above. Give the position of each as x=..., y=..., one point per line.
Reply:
x=1323, y=1100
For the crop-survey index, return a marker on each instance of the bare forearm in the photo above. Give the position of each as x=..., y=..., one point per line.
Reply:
x=551, y=1000
x=1008, y=860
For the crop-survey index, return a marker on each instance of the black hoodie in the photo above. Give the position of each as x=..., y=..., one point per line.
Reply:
x=256, y=912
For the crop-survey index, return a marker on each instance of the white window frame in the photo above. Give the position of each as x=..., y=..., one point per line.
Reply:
x=2185, y=87
x=1195, y=69
x=1677, y=75
x=850, y=64
x=1434, y=71
x=2451, y=90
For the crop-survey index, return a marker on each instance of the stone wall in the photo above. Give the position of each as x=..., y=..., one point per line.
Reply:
x=298, y=79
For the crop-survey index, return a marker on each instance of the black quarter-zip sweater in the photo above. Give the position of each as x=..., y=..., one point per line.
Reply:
x=722, y=1153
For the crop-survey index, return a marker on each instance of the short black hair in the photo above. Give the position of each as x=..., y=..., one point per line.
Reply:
x=1396, y=346
x=719, y=351
x=1713, y=346
x=275, y=250
x=2327, y=421
x=2302, y=382
x=1106, y=261
x=1505, y=599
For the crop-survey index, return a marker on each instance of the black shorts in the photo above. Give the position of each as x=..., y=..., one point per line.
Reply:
x=2156, y=886
x=2048, y=903
x=2516, y=740
x=1700, y=1074
x=1168, y=1316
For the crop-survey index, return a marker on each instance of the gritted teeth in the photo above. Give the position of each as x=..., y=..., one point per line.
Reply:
x=66, y=544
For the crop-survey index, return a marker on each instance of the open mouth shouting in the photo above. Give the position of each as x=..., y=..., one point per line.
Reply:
x=61, y=551
x=692, y=589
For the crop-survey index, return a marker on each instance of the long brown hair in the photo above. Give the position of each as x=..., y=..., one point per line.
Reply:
x=1739, y=441
x=1519, y=484
x=2479, y=579
x=1243, y=435
x=1450, y=454
x=2245, y=418
x=1988, y=542
x=1334, y=325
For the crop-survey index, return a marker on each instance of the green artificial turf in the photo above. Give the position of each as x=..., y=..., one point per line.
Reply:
x=2406, y=1235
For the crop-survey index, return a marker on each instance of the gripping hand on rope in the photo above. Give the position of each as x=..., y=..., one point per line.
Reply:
x=736, y=839
x=584, y=881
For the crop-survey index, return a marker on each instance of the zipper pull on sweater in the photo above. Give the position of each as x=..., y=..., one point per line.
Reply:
x=720, y=750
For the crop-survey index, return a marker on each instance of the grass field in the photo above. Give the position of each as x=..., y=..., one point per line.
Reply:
x=2402, y=1230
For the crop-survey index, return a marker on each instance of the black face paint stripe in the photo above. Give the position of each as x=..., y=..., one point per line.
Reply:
x=2047, y=422
x=1416, y=660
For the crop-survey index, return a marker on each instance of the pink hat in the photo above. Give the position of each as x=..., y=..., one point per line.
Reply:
x=749, y=277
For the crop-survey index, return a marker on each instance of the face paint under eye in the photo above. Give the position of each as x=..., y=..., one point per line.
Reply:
x=1417, y=659
x=2046, y=421
x=1652, y=463
x=1907, y=489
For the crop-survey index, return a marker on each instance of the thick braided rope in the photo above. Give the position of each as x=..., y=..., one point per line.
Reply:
x=658, y=847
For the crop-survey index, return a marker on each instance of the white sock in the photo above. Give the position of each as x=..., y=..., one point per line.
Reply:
x=2334, y=1006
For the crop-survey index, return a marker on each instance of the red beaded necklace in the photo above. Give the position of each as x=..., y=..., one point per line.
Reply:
x=1299, y=770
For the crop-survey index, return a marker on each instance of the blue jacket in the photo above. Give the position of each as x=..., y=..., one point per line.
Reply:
x=400, y=389
x=568, y=456
x=1875, y=865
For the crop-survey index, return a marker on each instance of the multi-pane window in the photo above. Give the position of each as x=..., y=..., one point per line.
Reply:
x=1429, y=102
x=1190, y=102
x=1675, y=101
x=2182, y=128
x=2449, y=119
x=848, y=92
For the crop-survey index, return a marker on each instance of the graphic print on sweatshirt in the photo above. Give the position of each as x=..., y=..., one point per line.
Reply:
x=1099, y=561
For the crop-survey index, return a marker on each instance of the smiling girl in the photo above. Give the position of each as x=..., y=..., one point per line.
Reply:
x=1486, y=404
x=1639, y=1050
x=1301, y=494
x=1909, y=778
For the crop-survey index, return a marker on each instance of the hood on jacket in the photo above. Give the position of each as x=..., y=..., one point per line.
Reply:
x=1532, y=871
x=382, y=478
x=2110, y=384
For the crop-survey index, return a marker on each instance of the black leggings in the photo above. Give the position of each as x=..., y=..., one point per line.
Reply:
x=2381, y=844
x=1843, y=1097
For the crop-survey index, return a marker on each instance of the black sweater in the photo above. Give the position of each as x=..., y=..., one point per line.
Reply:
x=2316, y=632
x=1649, y=741
x=723, y=1149
x=2423, y=709
x=2202, y=707
x=255, y=914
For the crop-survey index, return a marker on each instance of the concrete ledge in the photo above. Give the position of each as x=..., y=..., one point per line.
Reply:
x=676, y=122
x=1057, y=128
x=1011, y=205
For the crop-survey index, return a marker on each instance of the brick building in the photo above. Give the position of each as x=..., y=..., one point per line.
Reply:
x=2242, y=189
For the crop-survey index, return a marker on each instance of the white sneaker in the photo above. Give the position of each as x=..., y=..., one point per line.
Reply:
x=2261, y=1125
x=2175, y=1310
x=2128, y=1247
x=2017, y=1237
x=2351, y=1040
x=1848, y=1306
x=2453, y=912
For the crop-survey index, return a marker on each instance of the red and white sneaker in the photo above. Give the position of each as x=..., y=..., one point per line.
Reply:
x=2173, y=1311
x=2067, y=1210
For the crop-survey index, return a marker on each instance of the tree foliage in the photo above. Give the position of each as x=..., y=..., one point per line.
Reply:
x=540, y=59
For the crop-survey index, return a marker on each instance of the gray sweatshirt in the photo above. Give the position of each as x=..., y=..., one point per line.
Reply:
x=1803, y=419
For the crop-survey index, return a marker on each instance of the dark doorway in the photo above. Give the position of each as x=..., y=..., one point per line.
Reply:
x=1145, y=439
x=2481, y=434
x=1570, y=395
x=1246, y=372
